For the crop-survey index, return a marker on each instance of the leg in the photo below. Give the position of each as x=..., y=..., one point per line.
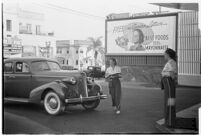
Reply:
x=169, y=91
x=118, y=94
x=112, y=93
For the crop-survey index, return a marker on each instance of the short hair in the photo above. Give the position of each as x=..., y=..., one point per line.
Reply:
x=114, y=60
x=141, y=35
x=171, y=53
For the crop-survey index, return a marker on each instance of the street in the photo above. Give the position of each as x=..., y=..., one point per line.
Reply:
x=141, y=108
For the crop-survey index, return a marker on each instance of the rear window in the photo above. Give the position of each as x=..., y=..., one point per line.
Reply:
x=97, y=68
x=8, y=67
x=90, y=68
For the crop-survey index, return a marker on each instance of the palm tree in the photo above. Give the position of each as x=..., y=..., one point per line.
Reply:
x=96, y=46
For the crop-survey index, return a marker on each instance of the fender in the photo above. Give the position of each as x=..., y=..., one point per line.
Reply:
x=57, y=86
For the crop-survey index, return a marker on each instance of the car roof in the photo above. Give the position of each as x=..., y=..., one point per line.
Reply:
x=28, y=59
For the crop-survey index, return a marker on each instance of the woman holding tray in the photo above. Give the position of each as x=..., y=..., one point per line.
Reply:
x=113, y=73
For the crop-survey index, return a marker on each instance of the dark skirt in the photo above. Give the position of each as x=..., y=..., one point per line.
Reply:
x=115, y=92
x=169, y=86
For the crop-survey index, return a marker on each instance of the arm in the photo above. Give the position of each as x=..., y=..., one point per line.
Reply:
x=117, y=75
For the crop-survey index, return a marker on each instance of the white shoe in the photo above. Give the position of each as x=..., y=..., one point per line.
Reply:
x=118, y=112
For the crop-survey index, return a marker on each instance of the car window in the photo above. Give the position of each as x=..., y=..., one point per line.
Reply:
x=8, y=67
x=45, y=65
x=90, y=68
x=98, y=69
x=40, y=66
x=21, y=67
x=53, y=65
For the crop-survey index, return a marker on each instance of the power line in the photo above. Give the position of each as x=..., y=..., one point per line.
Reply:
x=77, y=11
x=55, y=7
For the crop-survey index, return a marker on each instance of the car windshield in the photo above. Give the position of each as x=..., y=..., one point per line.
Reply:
x=45, y=65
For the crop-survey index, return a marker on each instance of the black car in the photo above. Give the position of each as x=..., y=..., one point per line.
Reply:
x=41, y=80
x=95, y=72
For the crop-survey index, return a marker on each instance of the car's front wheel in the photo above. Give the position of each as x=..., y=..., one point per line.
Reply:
x=53, y=104
x=91, y=105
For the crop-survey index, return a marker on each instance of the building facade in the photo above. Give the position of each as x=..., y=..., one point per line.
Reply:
x=24, y=35
x=75, y=53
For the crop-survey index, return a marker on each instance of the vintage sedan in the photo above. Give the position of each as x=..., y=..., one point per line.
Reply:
x=94, y=72
x=41, y=80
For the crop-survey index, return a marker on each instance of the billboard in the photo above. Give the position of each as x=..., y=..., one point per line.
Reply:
x=148, y=35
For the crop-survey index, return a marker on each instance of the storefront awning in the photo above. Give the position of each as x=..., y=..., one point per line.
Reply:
x=183, y=6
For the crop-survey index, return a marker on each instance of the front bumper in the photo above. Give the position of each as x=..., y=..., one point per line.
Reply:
x=85, y=99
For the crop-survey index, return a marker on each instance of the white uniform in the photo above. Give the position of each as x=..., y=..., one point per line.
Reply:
x=111, y=71
x=114, y=86
x=170, y=69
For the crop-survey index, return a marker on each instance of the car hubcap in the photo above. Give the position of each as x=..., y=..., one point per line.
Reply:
x=53, y=104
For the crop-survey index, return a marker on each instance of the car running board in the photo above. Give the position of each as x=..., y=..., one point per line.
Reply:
x=24, y=100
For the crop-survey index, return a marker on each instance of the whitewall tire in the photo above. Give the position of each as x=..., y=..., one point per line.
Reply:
x=53, y=104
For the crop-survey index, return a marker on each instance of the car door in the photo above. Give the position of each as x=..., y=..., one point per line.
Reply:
x=22, y=80
x=8, y=78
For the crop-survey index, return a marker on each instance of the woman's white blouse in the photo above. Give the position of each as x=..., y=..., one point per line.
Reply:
x=111, y=71
x=170, y=69
x=170, y=66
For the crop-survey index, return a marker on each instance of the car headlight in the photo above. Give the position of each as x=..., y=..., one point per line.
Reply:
x=71, y=80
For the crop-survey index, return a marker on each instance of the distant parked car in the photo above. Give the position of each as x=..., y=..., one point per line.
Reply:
x=94, y=72
x=39, y=79
x=68, y=68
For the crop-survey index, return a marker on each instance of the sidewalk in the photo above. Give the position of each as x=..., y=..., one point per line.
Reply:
x=191, y=112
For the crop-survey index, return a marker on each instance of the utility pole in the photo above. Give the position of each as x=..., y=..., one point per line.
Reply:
x=159, y=8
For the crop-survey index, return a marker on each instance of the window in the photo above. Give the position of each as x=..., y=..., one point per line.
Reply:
x=53, y=65
x=76, y=62
x=45, y=66
x=67, y=51
x=8, y=35
x=8, y=25
x=77, y=51
x=40, y=66
x=29, y=28
x=63, y=61
x=90, y=68
x=59, y=50
x=81, y=51
x=8, y=67
x=37, y=29
x=22, y=67
x=67, y=62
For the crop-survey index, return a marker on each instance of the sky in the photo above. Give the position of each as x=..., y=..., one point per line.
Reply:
x=80, y=19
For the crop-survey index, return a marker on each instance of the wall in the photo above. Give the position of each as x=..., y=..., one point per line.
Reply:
x=30, y=42
x=189, y=49
x=140, y=68
x=38, y=41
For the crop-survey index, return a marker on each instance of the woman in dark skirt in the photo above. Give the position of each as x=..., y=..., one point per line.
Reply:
x=113, y=73
x=168, y=84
